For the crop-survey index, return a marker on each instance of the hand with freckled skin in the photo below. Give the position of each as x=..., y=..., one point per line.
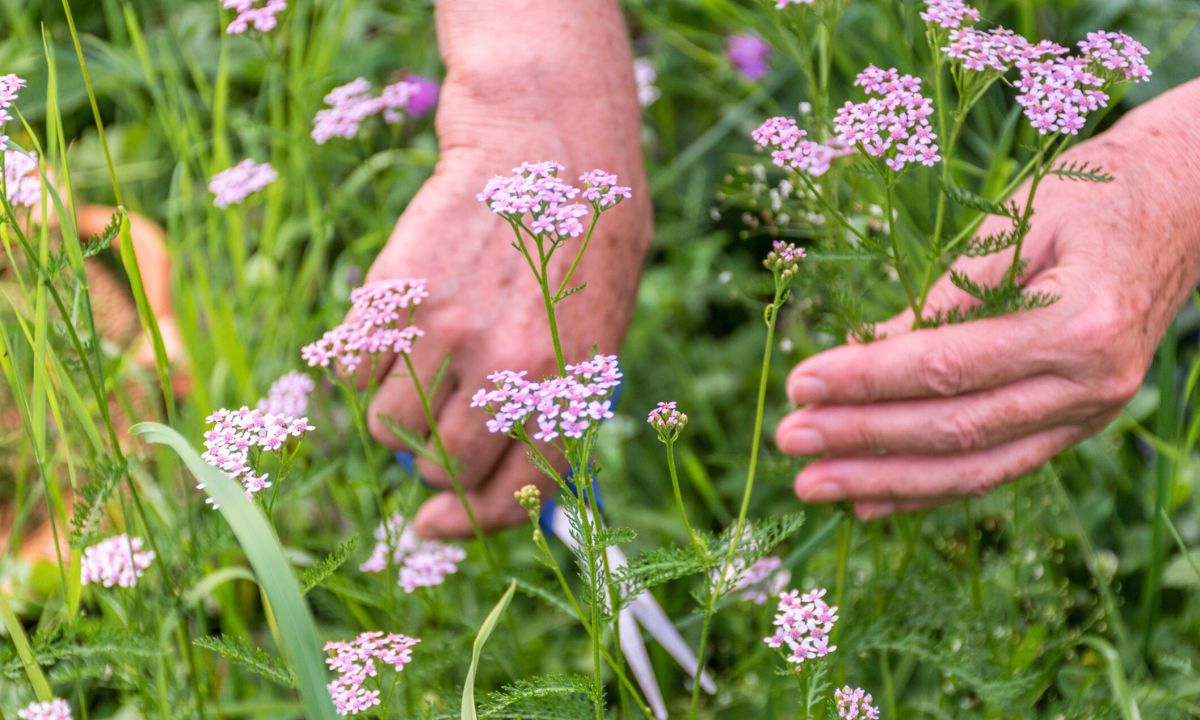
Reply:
x=920, y=418
x=484, y=308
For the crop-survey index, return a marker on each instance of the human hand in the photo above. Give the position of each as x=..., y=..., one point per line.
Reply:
x=923, y=417
x=485, y=309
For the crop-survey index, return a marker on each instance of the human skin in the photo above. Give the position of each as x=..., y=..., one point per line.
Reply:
x=572, y=101
x=924, y=417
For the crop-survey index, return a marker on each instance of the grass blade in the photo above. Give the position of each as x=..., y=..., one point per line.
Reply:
x=262, y=548
x=1116, y=677
x=485, y=631
x=37, y=679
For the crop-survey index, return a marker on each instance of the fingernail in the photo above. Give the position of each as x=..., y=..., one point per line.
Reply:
x=803, y=441
x=806, y=390
x=821, y=491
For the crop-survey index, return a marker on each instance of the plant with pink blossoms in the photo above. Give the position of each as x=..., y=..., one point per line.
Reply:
x=10, y=87
x=257, y=14
x=1116, y=56
x=894, y=126
x=288, y=395
x=237, y=438
x=765, y=578
x=232, y=186
x=56, y=709
x=421, y=563
x=803, y=624
x=380, y=321
x=855, y=704
x=22, y=180
x=949, y=14
x=118, y=561
x=349, y=106
x=357, y=687
x=750, y=54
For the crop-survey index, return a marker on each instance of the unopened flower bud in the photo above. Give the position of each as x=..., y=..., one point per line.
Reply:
x=667, y=419
x=784, y=259
x=530, y=498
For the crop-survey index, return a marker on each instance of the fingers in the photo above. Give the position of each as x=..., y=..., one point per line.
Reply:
x=466, y=438
x=442, y=516
x=917, y=478
x=397, y=403
x=936, y=426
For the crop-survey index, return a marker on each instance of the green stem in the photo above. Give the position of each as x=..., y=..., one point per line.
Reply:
x=897, y=262
x=670, y=443
x=973, y=558
x=558, y=295
x=769, y=315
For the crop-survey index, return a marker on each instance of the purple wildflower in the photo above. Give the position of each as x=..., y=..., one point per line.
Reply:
x=118, y=560
x=424, y=95
x=10, y=87
x=784, y=259
x=257, y=13
x=601, y=189
x=855, y=704
x=565, y=406
x=1058, y=94
x=1117, y=53
x=803, y=623
x=234, y=185
x=354, y=662
x=288, y=395
x=949, y=14
x=352, y=104
x=234, y=433
x=56, y=709
x=894, y=126
x=749, y=54
x=22, y=182
x=379, y=323
x=422, y=563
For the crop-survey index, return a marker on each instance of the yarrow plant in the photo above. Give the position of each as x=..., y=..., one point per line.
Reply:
x=288, y=395
x=232, y=186
x=357, y=687
x=56, y=709
x=855, y=704
x=352, y=104
x=381, y=321
x=235, y=434
x=10, y=88
x=259, y=14
x=564, y=406
x=803, y=623
x=118, y=561
x=750, y=54
x=22, y=182
x=422, y=563
x=764, y=579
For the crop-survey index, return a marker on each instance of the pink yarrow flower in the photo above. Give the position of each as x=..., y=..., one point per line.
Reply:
x=790, y=148
x=10, y=87
x=424, y=96
x=667, y=417
x=803, y=623
x=750, y=54
x=357, y=688
x=893, y=126
x=564, y=406
x=352, y=104
x=22, y=181
x=259, y=14
x=998, y=49
x=118, y=560
x=381, y=313
x=422, y=563
x=235, y=433
x=781, y=4
x=1118, y=54
x=949, y=14
x=1058, y=94
x=765, y=578
x=239, y=182
x=288, y=395
x=855, y=704
x=537, y=198
x=56, y=709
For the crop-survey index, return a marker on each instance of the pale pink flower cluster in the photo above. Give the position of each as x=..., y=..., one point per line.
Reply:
x=781, y=4
x=784, y=258
x=949, y=14
x=288, y=395
x=118, y=560
x=422, y=563
x=790, y=148
x=667, y=417
x=1058, y=94
x=764, y=579
x=855, y=704
x=998, y=49
x=750, y=54
x=257, y=13
x=10, y=87
x=234, y=185
x=1117, y=53
x=22, y=182
x=565, y=406
x=355, y=663
x=234, y=433
x=56, y=709
x=646, y=76
x=379, y=322
x=803, y=623
x=535, y=196
x=894, y=126
x=352, y=104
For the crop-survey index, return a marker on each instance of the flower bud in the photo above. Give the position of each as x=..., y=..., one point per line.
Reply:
x=530, y=498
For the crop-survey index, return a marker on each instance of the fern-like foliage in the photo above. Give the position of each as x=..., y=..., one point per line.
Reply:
x=655, y=567
x=319, y=573
x=549, y=697
x=97, y=244
x=255, y=659
x=758, y=540
x=1003, y=298
x=1082, y=172
x=996, y=242
x=90, y=501
x=966, y=198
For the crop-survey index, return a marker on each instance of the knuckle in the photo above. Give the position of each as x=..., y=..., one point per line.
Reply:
x=957, y=432
x=942, y=371
x=1121, y=387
